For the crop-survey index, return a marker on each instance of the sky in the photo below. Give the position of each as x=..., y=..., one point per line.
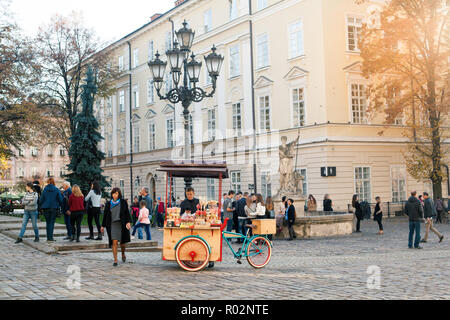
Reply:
x=111, y=19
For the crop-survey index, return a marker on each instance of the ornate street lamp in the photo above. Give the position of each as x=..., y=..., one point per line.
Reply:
x=179, y=63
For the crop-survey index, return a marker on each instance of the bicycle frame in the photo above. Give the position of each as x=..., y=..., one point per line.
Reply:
x=242, y=253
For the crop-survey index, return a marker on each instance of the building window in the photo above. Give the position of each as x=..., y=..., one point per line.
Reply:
x=122, y=185
x=50, y=151
x=169, y=131
x=122, y=101
x=237, y=120
x=151, y=136
x=191, y=129
x=296, y=48
x=62, y=173
x=207, y=20
x=358, y=103
x=304, y=173
x=136, y=137
x=150, y=50
x=150, y=92
x=234, y=61
x=121, y=66
x=266, y=185
x=236, y=181
x=168, y=84
x=298, y=101
x=262, y=4
x=109, y=145
x=210, y=189
x=34, y=152
x=20, y=172
x=49, y=173
x=264, y=114
x=398, y=176
x=362, y=183
x=211, y=125
x=233, y=9
x=21, y=152
x=109, y=106
x=393, y=99
x=33, y=172
x=135, y=58
x=135, y=97
x=122, y=142
x=263, y=50
x=168, y=42
x=354, y=27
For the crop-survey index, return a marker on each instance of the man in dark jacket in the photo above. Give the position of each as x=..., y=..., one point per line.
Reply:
x=50, y=202
x=241, y=215
x=414, y=211
x=430, y=214
x=290, y=217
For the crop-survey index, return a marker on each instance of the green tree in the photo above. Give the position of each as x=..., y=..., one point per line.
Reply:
x=84, y=153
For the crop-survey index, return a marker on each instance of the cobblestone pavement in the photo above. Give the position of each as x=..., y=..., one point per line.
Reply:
x=331, y=268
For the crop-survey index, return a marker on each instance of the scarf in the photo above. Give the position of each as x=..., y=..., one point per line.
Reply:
x=114, y=203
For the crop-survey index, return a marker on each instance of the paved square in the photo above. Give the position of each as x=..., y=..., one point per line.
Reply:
x=332, y=268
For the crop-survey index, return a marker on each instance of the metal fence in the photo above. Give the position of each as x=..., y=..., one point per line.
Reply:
x=390, y=209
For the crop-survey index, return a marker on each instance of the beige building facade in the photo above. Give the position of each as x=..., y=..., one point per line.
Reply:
x=292, y=67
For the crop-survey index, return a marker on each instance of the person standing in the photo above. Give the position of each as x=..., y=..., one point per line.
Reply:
x=76, y=211
x=439, y=209
x=94, y=197
x=144, y=195
x=311, y=204
x=281, y=214
x=430, y=213
x=190, y=203
x=50, y=202
x=117, y=221
x=238, y=197
x=30, y=201
x=161, y=213
x=378, y=215
x=414, y=210
x=421, y=200
x=270, y=208
x=290, y=218
x=143, y=221
x=135, y=210
x=228, y=210
x=327, y=203
x=241, y=215
x=65, y=208
x=358, y=212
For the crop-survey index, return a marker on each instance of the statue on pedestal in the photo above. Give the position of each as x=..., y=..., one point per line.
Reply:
x=291, y=181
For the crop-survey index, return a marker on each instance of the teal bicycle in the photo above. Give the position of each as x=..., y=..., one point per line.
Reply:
x=257, y=249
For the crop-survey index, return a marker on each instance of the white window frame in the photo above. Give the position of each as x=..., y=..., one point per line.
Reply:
x=262, y=4
x=294, y=29
x=211, y=189
x=212, y=124
x=305, y=185
x=365, y=118
x=109, y=145
x=294, y=121
x=267, y=185
x=121, y=101
x=261, y=129
x=33, y=172
x=151, y=135
x=235, y=61
x=402, y=197
x=150, y=92
x=136, y=97
x=122, y=141
x=262, y=51
x=358, y=33
x=136, y=58
x=233, y=183
x=151, y=50
x=233, y=5
x=136, y=137
x=237, y=130
x=207, y=20
x=121, y=64
x=361, y=198
x=170, y=143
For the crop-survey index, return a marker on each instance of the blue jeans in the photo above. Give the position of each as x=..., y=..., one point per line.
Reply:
x=242, y=228
x=139, y=226
x=414, y=226
x=230, y=225
x=50, y=217
x=68, y=226
x=27, y=216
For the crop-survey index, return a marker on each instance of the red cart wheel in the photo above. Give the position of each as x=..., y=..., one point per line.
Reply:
x=192, y=254
x=259, y=252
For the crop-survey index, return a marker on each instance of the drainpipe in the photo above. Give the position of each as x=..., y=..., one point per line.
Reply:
x=131, y=120
x=255, y=190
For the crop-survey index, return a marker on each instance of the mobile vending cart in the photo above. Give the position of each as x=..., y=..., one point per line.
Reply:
x=196, y=240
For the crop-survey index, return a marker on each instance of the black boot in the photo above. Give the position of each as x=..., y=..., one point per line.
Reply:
x=78, y=238
x=91, y=237
x=19, y=240
x=99, y=238
x=72, y=238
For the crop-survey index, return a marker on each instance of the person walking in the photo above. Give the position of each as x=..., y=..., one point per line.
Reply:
x=327, y=203
x=93, y=200
x=378, y=215
x=65, y=208
x=117, y=221
x=135, y=210
x=76, y=211
x=143, y=221
x=439, y=209
x=30, y=202
x=311, y=204
x=50, y=202
x=430, y=213
x=290, y=218
x=228, y=209
x=358, y=212
x=414, y=210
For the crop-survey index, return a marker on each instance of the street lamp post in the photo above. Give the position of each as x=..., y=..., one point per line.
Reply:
x=187, y=92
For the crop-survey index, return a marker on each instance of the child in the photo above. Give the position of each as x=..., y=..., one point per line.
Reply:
x=378, y=214
x=143, y=220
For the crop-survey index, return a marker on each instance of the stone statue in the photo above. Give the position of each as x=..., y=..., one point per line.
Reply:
x=286, y=169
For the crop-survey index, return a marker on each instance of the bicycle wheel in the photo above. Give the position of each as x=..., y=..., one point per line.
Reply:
x=192, y=254
x=259, y=252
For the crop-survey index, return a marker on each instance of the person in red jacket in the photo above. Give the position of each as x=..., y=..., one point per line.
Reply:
x=76, y=211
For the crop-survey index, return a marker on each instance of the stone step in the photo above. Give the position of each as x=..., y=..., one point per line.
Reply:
x=18, y=226
x=94, y=245
x=143, y=249
x=29, y=233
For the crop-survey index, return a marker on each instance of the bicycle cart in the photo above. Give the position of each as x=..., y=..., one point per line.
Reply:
x=195, y=246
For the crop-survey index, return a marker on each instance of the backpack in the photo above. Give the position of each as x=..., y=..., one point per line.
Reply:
x=135, y=211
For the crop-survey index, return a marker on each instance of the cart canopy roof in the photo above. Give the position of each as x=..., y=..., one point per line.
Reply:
x=194, y=169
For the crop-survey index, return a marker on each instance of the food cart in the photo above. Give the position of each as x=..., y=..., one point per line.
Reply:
x=194, y=240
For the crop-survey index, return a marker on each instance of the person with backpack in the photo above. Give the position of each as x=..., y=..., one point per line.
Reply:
x=76, y=211
x=430, y=213
x=30, y=201
x=135, y=215
x=414, y=210
x=358, y=212
x=161, y=213
x=439, y=209
x=93, y=204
